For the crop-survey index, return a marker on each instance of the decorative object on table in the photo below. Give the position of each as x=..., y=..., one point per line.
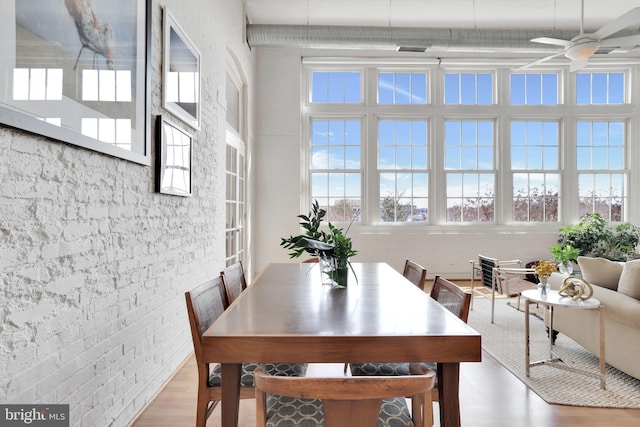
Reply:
x=576, y=288
x=173, y=159
x=565, y=255
x=543, y=270
x=53, y=87
x=594, y=237
x=333, y=249
x=180, y=73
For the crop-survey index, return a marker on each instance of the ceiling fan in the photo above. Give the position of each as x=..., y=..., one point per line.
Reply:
x=580, y=48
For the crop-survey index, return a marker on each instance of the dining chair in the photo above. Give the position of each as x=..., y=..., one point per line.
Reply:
x=415, y=273
x=342, y=401
x=457, y=301
x=205, y=304
x=453, y=298
x=234, y=280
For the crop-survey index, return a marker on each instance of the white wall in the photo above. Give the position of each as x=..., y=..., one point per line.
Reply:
x=94, y=264
x=278, y=189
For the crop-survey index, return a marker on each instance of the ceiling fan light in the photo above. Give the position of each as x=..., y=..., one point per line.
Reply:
x=581, y=51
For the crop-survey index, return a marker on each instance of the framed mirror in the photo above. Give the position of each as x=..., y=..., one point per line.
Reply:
x=181, y=73
x=173, y=159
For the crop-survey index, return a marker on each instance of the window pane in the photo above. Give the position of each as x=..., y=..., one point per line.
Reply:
x=603, y=194
x=335, y=166
x=335, y=87
x=535, y=197
x=534, y=89
x=599, y=145
x=600, y=88
x=469, y=145
x=452, y=88
x=402, y=88
x=385, y=88
x=468, y=88
x=470, y=197
x=403, y=195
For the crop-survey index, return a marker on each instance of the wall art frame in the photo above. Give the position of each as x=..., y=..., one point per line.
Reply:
x=174, y=151
x=78, y=72
x=180, y=73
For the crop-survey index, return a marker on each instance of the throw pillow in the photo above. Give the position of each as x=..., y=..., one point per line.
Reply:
x=600, y=271
x=630, y=279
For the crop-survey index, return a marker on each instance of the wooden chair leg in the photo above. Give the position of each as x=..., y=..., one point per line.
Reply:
x=202, y=410
x=261, y=408
x=422, y=410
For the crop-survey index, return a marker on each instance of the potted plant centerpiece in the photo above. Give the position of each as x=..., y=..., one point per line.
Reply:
x=565, y=255
x=333, y=248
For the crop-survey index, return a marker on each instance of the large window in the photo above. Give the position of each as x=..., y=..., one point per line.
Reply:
x=469, y=169
x=402, y=165
x=534, y=161
x=235, y=169
x=453, y=146
x=600, y=147
x=336, y=167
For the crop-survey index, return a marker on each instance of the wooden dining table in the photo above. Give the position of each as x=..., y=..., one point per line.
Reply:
x=287, y=315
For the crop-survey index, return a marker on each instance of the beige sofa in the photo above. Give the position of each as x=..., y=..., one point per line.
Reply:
x=622, y=312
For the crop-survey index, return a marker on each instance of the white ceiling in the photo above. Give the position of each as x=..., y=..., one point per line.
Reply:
x=475, y=14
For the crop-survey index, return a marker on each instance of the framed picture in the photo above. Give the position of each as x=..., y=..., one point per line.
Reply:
x=173, y=159
x=180, y=73
x=77, y=71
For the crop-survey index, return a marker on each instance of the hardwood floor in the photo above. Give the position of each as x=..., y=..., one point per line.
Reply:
x=490, y=396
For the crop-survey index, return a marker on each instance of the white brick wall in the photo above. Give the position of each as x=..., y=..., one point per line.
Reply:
x=94, y=264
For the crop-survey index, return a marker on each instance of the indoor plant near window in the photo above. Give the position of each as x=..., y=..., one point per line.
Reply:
x=593, y=236
x=565, y=255
x=333, y=249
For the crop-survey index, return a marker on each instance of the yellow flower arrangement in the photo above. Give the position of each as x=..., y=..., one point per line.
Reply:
x=544, y=269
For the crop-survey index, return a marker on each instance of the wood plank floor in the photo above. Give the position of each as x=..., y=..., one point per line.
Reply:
x=490, y=396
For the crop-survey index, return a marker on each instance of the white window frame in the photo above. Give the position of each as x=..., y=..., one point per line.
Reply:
x=567, y=113
x=236, y=140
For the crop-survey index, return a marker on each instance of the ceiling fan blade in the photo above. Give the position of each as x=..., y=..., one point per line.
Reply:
x=578, y=65
x=622, y=22
x=550, y=40
x=538, y=62
x=628, y=41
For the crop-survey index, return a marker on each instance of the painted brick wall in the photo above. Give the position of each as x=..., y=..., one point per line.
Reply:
x=94, y=264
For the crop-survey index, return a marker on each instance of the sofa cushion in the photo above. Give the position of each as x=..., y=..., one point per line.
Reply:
x=600, y=271
x=619, y=307
x=629, y=283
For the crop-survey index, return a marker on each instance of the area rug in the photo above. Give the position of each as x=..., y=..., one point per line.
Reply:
x=504, y=340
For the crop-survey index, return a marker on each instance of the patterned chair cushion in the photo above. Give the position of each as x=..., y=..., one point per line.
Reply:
x=283, y=411
x=381, y=369
x=246, y=380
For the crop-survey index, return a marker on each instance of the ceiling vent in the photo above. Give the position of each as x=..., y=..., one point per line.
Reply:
x=418, y=49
